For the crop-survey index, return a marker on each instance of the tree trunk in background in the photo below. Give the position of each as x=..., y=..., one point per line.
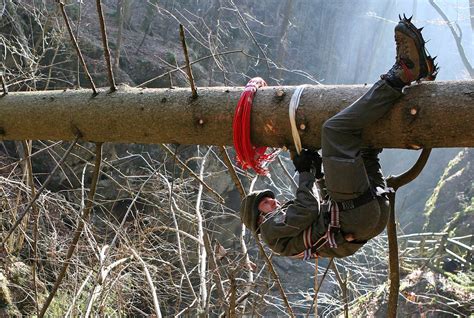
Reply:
x=471, y=9
x=119, y=34
x=127, y=13
x=283, y=35
x=431, y=115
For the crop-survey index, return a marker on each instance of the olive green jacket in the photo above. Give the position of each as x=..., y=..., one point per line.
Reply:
x=283, y=229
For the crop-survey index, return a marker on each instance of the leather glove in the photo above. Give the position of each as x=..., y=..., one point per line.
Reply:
x=304, y=161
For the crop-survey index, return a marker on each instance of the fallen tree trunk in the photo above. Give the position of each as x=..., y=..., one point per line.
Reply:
x=431, y=115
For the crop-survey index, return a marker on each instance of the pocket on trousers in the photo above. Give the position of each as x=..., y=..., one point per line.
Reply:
x=345, y=178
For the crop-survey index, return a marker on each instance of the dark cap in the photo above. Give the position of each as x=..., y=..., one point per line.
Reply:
x=249, y=208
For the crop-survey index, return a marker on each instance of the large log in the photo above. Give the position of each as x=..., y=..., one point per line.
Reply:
x=439, y=114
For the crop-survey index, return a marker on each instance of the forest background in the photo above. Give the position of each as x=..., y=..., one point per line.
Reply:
x=159, y=242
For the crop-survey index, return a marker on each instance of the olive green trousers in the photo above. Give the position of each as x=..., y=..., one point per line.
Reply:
x=351, y=170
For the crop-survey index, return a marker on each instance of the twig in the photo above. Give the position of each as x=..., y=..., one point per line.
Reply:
x=4, y=85
x=40, y=190
x=27, y=148
x=201, y=248
x=248, y=264
x=233, y=174
x=232, y=292
x=319, y=286
x=274, y=274
x=78, y=293
x=194, y=175
x=251, y=34
x=343, y=285
x=316, y=287
x=286, y=172
x=101, y=277
x=457, y=38
x=105, y=44
x=80, y=227
x=76, y=46
x=188, y=65
x=102, y=274
x=215, y=269
x=316, y=292
x=150, y=283
x=119, y=36
x=178, y=237
x=180, y=68
x=423, y=234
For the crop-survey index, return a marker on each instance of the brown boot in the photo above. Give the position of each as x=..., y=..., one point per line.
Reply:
x=412, y=62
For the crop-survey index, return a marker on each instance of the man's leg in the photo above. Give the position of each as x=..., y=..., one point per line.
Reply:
x=345, y=172
x=346, y=176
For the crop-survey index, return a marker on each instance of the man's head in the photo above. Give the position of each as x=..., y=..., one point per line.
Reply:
x=254, y=204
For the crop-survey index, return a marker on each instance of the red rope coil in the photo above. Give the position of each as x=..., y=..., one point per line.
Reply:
x=248, y=155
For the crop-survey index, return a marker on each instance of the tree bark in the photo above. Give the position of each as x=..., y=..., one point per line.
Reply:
x=430, y=115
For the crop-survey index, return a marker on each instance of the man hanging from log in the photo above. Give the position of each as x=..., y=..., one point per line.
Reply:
x=356, y=206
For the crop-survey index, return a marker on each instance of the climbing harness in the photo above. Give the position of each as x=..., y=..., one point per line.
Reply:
x=294, y=103
x=248, y=155
x=334, y=209
x=311, y=249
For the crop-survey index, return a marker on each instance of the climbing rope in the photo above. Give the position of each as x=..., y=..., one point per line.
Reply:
x=294, y=103
x=248, y=155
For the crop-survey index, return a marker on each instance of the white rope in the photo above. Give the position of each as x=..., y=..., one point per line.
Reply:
x=294, y=102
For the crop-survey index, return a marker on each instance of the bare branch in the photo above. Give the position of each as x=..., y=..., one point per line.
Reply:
x=188, y=65
x=457, y=39
x=76, y=46
x=105, y=44
x=195, y=176
x=80, y=227
x=40, y=190
x=233, y=174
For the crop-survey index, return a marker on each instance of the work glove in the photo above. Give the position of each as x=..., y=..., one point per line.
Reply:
x=304, y=161
x=317, y=165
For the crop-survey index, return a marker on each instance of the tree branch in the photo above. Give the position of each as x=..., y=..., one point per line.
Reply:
x=394, y=268
x=80, y=227
x=76, y=46
x=457, y=39
x=105, y=44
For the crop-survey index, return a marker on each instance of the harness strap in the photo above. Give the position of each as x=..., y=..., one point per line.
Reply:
x=294, y=103
x=308, y=244
x=334, y=225
x=311, y=249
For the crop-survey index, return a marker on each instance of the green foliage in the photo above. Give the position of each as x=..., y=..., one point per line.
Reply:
x=462, y=281
x=63, y=300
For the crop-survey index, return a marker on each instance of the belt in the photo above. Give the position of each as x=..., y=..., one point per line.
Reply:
x=365, y=198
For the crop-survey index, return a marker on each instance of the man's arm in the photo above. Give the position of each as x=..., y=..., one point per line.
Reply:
x=281, y=229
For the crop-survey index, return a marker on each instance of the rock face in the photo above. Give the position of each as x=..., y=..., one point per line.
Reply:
x=454, y=194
